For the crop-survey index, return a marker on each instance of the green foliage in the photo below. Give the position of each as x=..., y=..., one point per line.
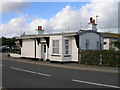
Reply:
x=92, y=57
x=8, y=41
x=16, y=52
x=116, y=44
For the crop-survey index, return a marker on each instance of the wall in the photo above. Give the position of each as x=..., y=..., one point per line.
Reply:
x=51, y=55
x=28, y=48
x=93, y=38
x=38, y=50
x=74, y=50
x=106, y=46
x=67, y=57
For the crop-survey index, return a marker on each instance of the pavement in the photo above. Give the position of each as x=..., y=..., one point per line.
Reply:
x=64, y=65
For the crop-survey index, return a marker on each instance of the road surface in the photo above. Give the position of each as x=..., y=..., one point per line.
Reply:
x=25, y=75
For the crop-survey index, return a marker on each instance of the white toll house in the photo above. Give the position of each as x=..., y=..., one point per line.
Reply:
x=61, y=47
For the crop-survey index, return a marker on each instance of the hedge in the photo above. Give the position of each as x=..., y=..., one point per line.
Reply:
x=92, y=57
x=16, y=52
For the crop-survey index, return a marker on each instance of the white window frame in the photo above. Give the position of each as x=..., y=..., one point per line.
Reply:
x=98, y=45
x=68, y=44
x=87, y=44
x=55, y=47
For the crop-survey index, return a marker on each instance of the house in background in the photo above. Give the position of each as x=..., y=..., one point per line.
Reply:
x=62, y=47
x=108, y=38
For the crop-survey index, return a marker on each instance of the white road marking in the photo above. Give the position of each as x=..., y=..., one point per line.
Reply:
x=31, y=71
x=95, y=83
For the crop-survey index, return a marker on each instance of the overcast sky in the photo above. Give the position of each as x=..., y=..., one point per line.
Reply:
x=25, y=15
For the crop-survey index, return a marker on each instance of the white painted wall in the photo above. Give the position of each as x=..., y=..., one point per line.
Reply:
x=27, y=49
x=38, y=50
x=92, y=37
x=74, y=50
x=92, y=26
x=63, y=49
x=106, y=46
x=56, y=58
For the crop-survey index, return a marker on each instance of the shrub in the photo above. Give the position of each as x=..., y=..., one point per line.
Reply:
x=16, y=52
x=92, y=57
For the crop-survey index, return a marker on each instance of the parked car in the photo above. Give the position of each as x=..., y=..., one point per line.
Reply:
x=4, y=48
x=14, y=48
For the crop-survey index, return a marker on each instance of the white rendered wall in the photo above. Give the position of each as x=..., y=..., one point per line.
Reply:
x=74, y=50
x=92, y=37
x=68, y=58
x=28, y=48
x=55, y=57
x=38, y=50
x=92, y=26
x=106, y=46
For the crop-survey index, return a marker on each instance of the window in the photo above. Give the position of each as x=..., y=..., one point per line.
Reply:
x=97, y=45
x=87, y=44
x=105, y=43
x=55, y=46
x=67, y=47
x=44, y=48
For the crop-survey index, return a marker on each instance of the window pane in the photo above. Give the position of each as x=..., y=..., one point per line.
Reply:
x=66, y=41
x=57, y=43
x=66, y=52
x=44, y=48
x=97, y=45
x=87, y=41
x=53, y=50
x=55, y=46
x=67, y=47
x=53, y=43
x=87, y=46
x=57, y=50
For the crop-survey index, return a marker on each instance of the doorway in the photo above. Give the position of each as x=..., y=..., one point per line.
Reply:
x=44, y=51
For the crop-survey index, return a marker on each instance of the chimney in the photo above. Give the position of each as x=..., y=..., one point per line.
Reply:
x=40, y=30
x=94, y=21
x=90, y=19
x=39, y=27
x=92, y=25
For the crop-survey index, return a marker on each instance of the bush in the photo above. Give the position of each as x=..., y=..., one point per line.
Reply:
x=92, y=57
x=16, y=52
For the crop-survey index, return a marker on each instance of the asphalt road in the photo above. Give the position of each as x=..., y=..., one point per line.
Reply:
x=25, y=75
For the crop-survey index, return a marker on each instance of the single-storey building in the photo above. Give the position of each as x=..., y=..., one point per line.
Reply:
x=62, y=47
x=108, y=39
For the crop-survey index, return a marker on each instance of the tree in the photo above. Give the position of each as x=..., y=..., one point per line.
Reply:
x=8, y=41
x=116, y=44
